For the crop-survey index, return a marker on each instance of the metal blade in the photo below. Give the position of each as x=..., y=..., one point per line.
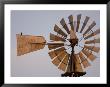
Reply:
x=84, y=24
x=78, y=22
x=71, y=22
x=56, y=37
x=68, y=68
x=56, y=61
x=90, y=27
x=54, y=53
x=59, y=31
x=97, y=32
x=62, y=55
x=63, y=23
x=59, y=58
x=89, y=55
x=92, y=34
x=92, y=48
x=93, y=41
x=78, y=67
x=55, y=45
x=81, y=56
x=62, y=66
x=24, y=43
x=84, y=61
x=64, y=63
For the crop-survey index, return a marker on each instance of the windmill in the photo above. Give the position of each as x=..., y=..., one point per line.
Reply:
x=66, y=37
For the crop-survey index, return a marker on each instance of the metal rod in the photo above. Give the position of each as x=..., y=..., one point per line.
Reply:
x=50, y=44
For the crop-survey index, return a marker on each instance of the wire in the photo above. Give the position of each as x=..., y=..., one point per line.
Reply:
x=80, y=46
x=80, y=39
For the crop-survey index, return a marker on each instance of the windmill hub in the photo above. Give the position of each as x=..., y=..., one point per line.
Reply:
x=73, y=42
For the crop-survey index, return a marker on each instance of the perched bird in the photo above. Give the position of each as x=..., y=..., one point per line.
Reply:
x=21, y=33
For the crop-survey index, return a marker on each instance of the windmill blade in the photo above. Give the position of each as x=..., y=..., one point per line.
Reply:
x=59, y=31
x=72, y=35
x=92, y=34
x=81, y=56
x=63, y=63
x=78, y=22
x=93, y=41
x=59, y=58
x=92, y=48
x=56, y=61
x=24, y=43
x=84, y=61
x=63, y=23
x=61, y=55
x=56, y=38
x=54, y=53
x=84, y=24
x=78, y=67
x=71, y=22
x=89, y=55
x=54, y=45
x=68, y=67
x=90, y=27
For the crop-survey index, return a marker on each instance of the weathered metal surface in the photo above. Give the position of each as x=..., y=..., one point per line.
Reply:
x=59, y=31
x=78, y=67
x=90, y=27
x=25, y=43
x=71, y=22
x=55, y=45
x=64, y=63
x=56, y=37
x=59, y=58
x=63, y=23
x=92, y=34
x=84, y=61
x=92, y=48
x=89, y=55
x=78, y=22
x=54, y=53
x=93, y=41
x=85, y=23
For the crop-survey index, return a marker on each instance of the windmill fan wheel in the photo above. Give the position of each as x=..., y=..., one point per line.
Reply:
x=79, y=35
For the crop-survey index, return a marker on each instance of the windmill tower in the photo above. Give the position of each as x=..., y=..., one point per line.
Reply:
x=72, y=63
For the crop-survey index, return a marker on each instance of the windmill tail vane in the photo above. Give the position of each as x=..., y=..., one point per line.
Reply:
x=26, y=43
x=73, y=64
x=30, y=43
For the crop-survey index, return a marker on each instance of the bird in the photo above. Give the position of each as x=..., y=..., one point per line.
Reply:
x=21, y=33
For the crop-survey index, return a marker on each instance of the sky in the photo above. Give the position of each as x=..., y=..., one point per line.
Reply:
x=41, y=23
